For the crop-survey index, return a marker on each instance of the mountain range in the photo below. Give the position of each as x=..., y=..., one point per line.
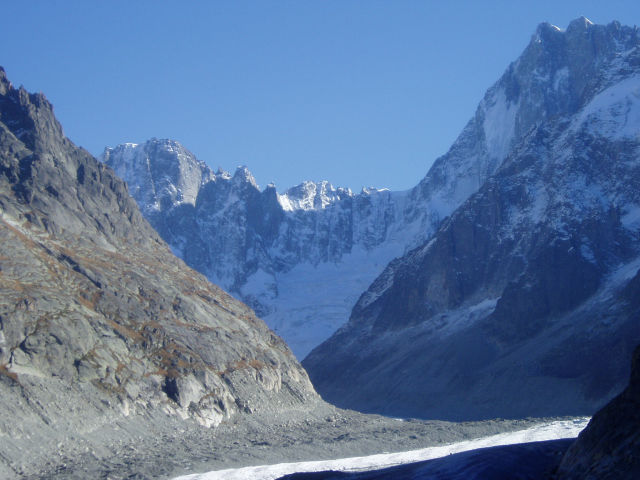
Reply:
x=502, y=278
x=505, y=284
x=117, y=360
x=300, y=259
x=524, y=301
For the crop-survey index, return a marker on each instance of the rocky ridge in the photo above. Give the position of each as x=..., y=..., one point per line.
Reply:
x=99, y=323
x=511, y=307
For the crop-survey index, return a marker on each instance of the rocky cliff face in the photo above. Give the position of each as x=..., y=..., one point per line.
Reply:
x=98, y=320
x=609, y=446
x=511, y=306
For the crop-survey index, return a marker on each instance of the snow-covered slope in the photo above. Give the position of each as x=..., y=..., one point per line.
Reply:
x=515, y=305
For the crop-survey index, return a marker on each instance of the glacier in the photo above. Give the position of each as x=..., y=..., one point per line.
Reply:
x=558, y=429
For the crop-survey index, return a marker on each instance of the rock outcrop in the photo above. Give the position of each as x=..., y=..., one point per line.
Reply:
x=98, y=320
x=516, y=306
x=610, y=445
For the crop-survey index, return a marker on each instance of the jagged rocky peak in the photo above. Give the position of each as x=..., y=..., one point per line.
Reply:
x=38, y=162
x=222, y=174
x=160, y=173
x=30, y=118
x=581, y=24
x=557, y=74
x=5, y=84
x=560, y=69
x=313, y=196
x=564, y=66
x=243, y=176
x=163, y=174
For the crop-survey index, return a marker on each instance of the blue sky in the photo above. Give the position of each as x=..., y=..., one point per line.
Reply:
x=360, y=93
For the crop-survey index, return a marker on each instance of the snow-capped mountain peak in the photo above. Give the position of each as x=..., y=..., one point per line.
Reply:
x=312, y=196
x=579, y=24
x=159, y=172
x=242, y=175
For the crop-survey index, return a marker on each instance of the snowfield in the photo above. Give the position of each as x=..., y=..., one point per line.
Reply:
x=556, y=430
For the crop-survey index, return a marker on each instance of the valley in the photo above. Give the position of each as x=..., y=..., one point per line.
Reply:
x=494, y=303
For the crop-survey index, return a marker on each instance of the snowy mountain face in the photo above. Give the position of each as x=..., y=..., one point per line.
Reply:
x=522, y=302
x=554, y=76
x=159, y=174
x=300, y=259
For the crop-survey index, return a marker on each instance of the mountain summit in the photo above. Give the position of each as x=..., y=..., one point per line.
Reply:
x=520, y=302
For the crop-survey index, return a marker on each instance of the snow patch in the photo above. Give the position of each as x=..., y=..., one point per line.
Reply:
x=315, y=300
x=465, y=317
x=587, y=253
x=561, y=79
x=631, y=218
x=499, y=125
x=614, y=112
x=622, y=275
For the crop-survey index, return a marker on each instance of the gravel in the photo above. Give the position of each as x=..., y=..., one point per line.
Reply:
x=163, y=446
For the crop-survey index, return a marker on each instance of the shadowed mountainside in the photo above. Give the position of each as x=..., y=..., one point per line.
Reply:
x=610, y=445
x=516, y=306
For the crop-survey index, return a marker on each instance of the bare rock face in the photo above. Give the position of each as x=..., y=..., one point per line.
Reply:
x=516, y=306
x=98, y=320
x=610, y=445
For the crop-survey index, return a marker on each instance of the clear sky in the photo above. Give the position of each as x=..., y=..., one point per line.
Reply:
x=360, y=93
